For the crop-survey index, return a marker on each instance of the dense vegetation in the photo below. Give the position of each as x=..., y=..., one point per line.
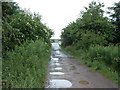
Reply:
x=26, y=47
x=20, y=26
x=26, y=66
x=94, y=39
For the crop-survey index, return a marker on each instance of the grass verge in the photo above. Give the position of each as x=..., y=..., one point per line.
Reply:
x=26, y=66
x=102, y=59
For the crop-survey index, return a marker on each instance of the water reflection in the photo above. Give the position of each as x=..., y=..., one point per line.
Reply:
x=58, y=52
x=58, y=68
x=57, y=73
x=60, y=83
x=55, y=59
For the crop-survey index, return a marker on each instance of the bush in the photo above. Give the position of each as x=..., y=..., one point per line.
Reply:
x=23, y=27
x=90, y=38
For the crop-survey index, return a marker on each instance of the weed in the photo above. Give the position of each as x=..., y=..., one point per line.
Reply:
x=26, y=66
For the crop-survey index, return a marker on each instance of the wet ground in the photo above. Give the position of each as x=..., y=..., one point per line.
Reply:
x=66, y=72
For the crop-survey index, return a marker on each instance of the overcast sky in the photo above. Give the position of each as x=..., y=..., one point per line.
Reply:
x=59, y=13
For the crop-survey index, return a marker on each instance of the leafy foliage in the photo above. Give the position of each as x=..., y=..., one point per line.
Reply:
x=9, y=8
x=116, y=20
x=89, y=38
x=22, y=26
x=92, y=21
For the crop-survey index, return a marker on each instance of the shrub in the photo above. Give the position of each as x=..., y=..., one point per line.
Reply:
x=90, y=38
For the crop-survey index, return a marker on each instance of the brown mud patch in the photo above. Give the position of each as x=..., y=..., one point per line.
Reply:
x=84, y=82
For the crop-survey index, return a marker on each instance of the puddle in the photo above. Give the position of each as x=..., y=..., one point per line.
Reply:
x=58, y=68
x=58, y=52
x=57, y=55
x=55, y=58
x=57, y=73
x=54, y=64
x=56, y=61
x=57, y=64
x=60, y=83
x=72, y=68
x=84, y=82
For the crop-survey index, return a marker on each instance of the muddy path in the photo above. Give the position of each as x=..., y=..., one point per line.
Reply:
x=66, y=72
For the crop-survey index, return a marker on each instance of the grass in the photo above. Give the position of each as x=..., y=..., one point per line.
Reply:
x=26, y=66
x=102, y=59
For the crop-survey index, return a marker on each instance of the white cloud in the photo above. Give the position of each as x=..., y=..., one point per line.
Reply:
x=58, y=13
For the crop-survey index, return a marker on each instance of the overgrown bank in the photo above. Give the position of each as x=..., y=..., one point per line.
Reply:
x=26, y=66
x=100, y=59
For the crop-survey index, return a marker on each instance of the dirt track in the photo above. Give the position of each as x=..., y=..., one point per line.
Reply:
x=66, y=72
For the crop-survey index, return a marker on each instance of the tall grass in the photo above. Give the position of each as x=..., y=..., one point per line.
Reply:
x=108, y=54
x=26, y=66
x=100, y=58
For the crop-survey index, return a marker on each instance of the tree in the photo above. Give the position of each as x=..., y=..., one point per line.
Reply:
x=20, y=26
x=91, y=22
x=116, y=20
x=9, y=8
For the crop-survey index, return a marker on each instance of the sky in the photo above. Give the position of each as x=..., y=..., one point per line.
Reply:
x=57, y=14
